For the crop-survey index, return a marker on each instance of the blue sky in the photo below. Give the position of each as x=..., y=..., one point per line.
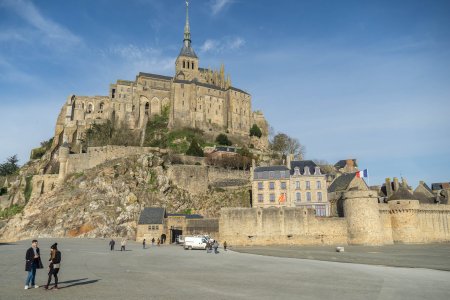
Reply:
x=350, y=79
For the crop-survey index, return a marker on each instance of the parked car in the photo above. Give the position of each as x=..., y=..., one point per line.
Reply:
x=194, y=242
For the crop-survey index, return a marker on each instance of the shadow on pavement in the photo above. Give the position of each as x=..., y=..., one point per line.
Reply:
x=79, y=282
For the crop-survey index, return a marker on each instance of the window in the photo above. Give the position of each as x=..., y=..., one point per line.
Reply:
x=319, y=196
x=308, y=185
x=283, y=185
x=272, y=197
x=318, y=185
x=192, y=65
x=308, y=196
x=260, y=185
x=271, y=185
x=271, y=174
x=321, y=210
x=297, y=185
x=184, y=64
x=298, y=197
x=260, y=198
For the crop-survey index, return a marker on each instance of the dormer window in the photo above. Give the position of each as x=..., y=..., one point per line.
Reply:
x=297, y=171
x=317, y=171
x=306, y=171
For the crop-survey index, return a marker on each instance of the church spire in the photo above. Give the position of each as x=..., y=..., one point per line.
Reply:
x=187, y=29
x=187, y=49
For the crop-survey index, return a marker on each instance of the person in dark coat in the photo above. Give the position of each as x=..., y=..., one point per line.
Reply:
x=225, y=245
x=143, y=244
x=112, y=242
x=153, y=241
x=32, y=262
x=54, y=266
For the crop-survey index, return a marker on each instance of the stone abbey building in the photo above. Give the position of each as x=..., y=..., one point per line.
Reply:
x=194, y=97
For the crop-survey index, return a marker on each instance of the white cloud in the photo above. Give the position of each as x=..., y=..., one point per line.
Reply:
x=218, y=5
x=51, y=31
x=224, y=44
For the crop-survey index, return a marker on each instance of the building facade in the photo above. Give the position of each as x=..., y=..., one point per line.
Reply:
x=194, y=97
x=298, y=184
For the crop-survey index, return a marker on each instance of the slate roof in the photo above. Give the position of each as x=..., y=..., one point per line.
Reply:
x=152, y=215
x=341, y=164
x=440, y=185
x=188, y=51
x=154, y=76
x=301, y=164
x=341, y=183
x=402, y=194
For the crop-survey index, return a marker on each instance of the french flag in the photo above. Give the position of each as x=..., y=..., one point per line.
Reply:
x=362, y=174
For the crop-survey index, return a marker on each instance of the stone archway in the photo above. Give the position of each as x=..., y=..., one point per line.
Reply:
x=155, y=106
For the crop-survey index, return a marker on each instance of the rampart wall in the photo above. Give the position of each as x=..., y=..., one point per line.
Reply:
x=286, y=225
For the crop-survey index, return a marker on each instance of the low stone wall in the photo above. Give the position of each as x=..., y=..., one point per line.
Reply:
x=277, y=226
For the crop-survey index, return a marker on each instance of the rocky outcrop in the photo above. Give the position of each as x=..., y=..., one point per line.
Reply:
x=107, y=200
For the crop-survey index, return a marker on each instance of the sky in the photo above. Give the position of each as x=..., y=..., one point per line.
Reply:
x=349, y=79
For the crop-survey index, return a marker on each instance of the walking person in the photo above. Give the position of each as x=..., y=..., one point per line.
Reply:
x=32, y=262
x=53, y=268
x=112, y=242
x=159, y=242
x=153, y=241
x=143, y=244
x=225, y=245
x=208, y=247
x=216, y=245
x=123, y=244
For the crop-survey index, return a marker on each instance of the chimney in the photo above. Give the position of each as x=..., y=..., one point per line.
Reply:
x=396, y=184
x=288, y=161
x=388, y=187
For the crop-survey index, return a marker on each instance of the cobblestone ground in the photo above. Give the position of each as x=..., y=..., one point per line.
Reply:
x=90, y=271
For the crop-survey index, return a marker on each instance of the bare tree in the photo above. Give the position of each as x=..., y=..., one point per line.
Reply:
x=285, y=144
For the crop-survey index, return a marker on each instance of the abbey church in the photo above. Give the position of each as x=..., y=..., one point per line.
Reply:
x=194, y=97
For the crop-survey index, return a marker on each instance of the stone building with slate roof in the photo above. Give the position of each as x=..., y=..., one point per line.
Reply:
x=155, y=222
x=296, y=184
x=194, y=97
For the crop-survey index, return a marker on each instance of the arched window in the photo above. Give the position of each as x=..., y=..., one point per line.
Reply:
x=192, y=65
x=101, y=106
x=184, y=64
x=147, y=106
x=188, y=64
x=90, y=108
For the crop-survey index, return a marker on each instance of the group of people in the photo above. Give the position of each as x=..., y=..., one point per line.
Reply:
x=213, y=244
x=123, y=244
x=144, y=242
x=33, y=262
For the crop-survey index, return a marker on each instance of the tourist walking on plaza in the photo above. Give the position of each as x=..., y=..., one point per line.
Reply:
x=112, y=242
x=32, y=262
x=159, y=241
x=216, y=245
x=225, y=245
x=123, y=244
x=143, y=244
x=153, y=241
x=53, y=268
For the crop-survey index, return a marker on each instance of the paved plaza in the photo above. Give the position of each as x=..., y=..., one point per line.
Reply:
x=90, y=271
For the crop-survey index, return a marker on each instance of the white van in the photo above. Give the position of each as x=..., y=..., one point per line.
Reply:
x=194, y=242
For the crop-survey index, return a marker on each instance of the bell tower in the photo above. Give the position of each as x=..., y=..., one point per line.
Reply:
x=186, y=65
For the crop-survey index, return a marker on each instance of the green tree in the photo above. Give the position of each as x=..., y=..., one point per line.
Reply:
x=222, y=139
x=255, y=131
x=10, y=166
x=195, y=149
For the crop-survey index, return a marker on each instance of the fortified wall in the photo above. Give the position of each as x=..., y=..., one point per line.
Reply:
x=365, y=222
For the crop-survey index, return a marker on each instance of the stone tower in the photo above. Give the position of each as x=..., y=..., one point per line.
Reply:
x=186, y=65
x=404, y=208
x=362, y=214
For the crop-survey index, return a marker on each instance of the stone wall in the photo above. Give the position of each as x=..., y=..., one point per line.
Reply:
x=386, y=225
x=186, y=177
x=271, y=226
x=434, y=222
x=98, y=155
